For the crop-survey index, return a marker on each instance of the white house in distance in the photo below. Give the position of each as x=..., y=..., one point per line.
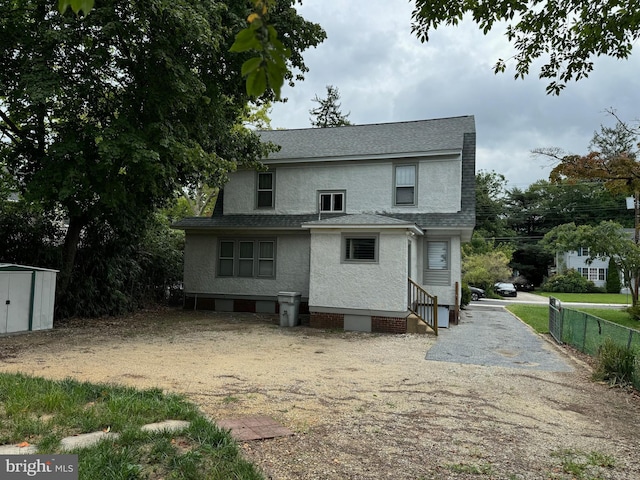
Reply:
x=596, y=271
x=345, y=216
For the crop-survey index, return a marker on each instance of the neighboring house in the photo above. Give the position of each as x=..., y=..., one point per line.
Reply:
x=344, y=216
x=577, y=260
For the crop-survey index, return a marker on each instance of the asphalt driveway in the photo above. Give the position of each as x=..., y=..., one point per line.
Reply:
x=494, y=337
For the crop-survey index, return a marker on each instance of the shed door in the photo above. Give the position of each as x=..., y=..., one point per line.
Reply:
x=15, y=301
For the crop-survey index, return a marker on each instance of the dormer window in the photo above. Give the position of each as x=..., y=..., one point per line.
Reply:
x=405, y=185
x=331, y=201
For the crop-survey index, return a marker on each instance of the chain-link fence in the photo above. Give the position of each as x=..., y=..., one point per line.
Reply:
x=588, y=332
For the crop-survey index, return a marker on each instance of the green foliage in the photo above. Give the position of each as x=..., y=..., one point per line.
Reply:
x=267, y=70
x=613, y=278
x=570, y=282
x=465, y=294
x=491, y=189
x=106, y=116
x=328, y=114
x=605, y=240
x=77, y=6
x=569, y=33
x=614, y=363
x=484, y=263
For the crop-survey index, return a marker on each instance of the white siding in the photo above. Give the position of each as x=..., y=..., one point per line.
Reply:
x=380, y=286
x=368, y=185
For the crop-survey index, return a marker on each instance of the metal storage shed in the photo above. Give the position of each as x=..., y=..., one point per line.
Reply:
x=27, y=297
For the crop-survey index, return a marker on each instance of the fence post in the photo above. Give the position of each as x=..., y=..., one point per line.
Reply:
x=630, y=339
x=584, y=333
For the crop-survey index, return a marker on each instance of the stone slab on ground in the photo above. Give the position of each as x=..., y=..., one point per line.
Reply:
x=257, y=427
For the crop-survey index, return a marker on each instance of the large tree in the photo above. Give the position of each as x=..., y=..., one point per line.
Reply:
x=328, y=113
x=567, y=35
x=104, y=117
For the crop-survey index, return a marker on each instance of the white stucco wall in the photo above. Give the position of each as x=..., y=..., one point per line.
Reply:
x=378, y=286
x=368, y=185
x=292, y=268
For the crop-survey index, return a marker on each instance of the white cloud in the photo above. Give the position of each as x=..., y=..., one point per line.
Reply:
x=384, y=74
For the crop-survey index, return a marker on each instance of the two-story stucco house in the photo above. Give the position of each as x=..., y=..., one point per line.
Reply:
x=345, y=216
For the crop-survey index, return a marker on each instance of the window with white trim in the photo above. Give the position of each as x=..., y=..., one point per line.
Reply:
x=331, y=201
x=265, y=190
x=249, y=258
x=583, y=252
x=404, y=185
x=360, y=248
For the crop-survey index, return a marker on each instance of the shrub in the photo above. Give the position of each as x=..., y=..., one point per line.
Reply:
x=465, y=295
x=614, y=363
x=570, y=282
x=613, y=278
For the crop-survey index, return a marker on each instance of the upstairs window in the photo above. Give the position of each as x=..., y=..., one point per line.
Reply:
x=360, y=248
x=266, y=181
x=405, y=185
x=331, y=201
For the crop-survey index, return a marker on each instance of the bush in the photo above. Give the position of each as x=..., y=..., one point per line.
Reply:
x=465, y=295
x=570, y=282
x=615, y=364
x=613, y=278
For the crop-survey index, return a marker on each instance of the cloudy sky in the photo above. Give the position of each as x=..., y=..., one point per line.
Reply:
x=384, y=74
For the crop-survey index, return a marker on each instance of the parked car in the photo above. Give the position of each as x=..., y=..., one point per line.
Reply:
x=476, y=293
x=505, y=289
x=523, y=285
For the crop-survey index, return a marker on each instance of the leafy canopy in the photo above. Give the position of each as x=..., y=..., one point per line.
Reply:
x=567, y=35
x=605, y=240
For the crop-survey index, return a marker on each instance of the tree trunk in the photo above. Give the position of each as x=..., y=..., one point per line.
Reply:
x=69, y=250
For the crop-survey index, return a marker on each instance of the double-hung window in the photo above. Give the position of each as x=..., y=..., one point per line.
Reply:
x=404, y=185
x=247, y=258
x=331, y=201
x=265, y=191
x=360, y=248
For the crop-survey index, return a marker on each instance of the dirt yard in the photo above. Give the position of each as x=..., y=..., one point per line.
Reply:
x=362, y=406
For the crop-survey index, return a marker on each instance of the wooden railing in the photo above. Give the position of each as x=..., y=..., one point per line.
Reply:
x=423, y=305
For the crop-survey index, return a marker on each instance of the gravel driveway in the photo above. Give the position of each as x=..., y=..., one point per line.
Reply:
x=363, y=406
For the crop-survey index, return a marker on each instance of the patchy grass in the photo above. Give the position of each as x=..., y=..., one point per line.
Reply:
x=607, y=298
x=42, y=412
x=582, y=465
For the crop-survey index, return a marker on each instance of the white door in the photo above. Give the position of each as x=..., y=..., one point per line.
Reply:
x=15, y=299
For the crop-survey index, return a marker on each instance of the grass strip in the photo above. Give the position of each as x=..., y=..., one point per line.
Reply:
x=42, y=412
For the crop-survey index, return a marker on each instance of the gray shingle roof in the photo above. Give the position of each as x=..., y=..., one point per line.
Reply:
x=370, y=140
x=457, y=133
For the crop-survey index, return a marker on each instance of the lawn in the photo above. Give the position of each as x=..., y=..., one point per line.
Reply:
x=42, y=412
x=607, y=298
x=537, y=316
